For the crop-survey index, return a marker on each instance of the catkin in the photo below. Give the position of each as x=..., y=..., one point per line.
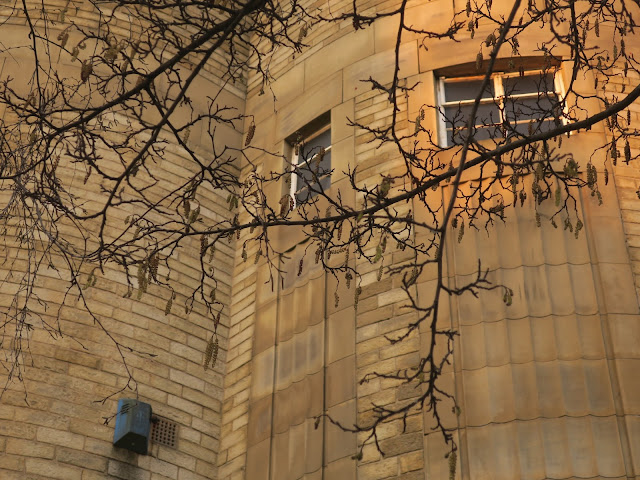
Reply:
x=523, y=197
x=63, y=38
x=153, y=266
x=142, y=279
x=303, y=33
x=579, y=226
x=250, y=134
x=627, y=152
x=211, y=352
x=85, y=71
x=214, y=355
x=453, y=458
x=204, y=244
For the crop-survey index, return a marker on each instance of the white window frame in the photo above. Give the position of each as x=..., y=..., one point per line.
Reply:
x=497, y=80
x=297, y=159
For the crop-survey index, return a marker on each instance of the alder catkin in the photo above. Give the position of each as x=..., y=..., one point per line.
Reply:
x=153, y=266
x=303, y=33
x=579, y=226
x=453, y=458
x=627, y=152
x=204, y=244
x=142, y=279
x=250, y=134
x=214, y=355
x=63, y=38
x=211, y=352
x=357, y=297
x=85, y=71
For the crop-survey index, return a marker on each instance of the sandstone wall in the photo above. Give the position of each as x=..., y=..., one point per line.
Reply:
x=52, y=421
x=545, y=386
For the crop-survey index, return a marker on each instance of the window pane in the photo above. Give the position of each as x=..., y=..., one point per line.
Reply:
x=527, y=105
x=465, y=90
x=302, y=196
x=325, y=182
x=325, y=163
x=488, y=113
x=309, y=191
x=313, y=168
x=536, y=127
x=537, y=82
x=529, y=108
x=305, y=175
x=312, y=147
x=458, y=136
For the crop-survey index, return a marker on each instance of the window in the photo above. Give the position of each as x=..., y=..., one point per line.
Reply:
x=513, y=104
x=311, y=159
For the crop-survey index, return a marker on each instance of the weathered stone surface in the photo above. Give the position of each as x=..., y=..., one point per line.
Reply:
x=341, y=381
x=547, y=387
x=260, y=419
x=338, y=443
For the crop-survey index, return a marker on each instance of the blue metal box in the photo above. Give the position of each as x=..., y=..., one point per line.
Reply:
x=133, y=425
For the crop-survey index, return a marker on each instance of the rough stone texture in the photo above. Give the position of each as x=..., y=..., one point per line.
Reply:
x=547, y=387
x=538, y=382
x=60, y=433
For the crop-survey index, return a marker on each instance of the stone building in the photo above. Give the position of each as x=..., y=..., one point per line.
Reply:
x=548, y=387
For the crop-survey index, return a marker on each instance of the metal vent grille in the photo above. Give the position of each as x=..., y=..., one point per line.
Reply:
x=164, y=432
